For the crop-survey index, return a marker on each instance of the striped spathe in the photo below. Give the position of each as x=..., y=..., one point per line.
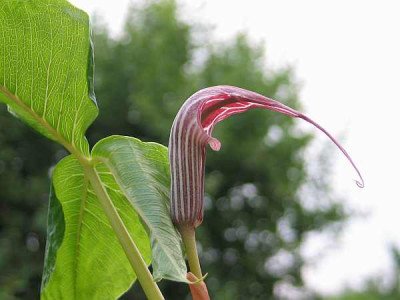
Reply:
x=191, y=132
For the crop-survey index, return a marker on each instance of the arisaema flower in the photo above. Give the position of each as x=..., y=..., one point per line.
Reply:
x=190, y=134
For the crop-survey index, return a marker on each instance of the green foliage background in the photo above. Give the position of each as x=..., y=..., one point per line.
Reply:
x=253, y=213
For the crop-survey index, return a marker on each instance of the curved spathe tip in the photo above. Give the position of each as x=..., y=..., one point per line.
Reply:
x=360, y=182
x=220, y=102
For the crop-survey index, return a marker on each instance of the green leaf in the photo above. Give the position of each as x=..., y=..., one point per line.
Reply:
x=89, y=263
x=46, y=69
x=55, y=235
x=142, y=172
x=84, y=259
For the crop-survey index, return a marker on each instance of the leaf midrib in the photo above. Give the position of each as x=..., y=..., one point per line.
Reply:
x=58, y=137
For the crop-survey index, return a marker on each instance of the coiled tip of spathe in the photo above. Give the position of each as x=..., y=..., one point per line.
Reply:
x=360, y=182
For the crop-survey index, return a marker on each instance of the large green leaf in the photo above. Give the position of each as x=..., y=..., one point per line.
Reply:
x=46, y=68
x=83, y=257
x=142, y=173
x=87, y=262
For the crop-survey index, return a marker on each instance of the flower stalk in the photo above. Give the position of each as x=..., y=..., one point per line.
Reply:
x=189, y=241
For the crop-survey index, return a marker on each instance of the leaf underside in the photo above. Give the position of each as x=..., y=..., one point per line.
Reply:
x=46, y=67
x=142, y=172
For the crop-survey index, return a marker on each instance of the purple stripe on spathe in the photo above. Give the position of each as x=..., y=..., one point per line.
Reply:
x=191, y=132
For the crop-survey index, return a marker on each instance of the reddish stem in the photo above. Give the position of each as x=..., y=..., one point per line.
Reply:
x=199, y=290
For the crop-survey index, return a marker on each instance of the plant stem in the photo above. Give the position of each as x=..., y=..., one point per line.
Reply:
x=189, y=240
x=143, y=274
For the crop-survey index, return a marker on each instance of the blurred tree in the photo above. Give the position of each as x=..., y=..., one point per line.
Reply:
x=255, y=219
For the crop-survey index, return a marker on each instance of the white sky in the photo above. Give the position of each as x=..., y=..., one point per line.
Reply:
x=347, y=55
